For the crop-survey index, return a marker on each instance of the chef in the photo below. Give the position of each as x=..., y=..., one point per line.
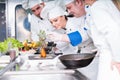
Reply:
x=37, y=22
x=61, y=47
x=102, y=21
x=58, y=19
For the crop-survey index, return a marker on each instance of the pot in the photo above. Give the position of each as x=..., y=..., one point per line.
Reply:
x=73, y=61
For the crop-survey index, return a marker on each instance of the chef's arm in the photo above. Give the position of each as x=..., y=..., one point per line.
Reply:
x=75, y=38
x=110, y=29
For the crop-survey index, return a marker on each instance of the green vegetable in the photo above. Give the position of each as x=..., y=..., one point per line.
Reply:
x=9, y=43
x=3, y=47
x=42, y=37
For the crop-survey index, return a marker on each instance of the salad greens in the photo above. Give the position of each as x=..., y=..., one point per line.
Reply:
x=4, y=46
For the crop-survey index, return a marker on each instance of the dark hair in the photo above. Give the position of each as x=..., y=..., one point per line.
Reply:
x=70, y=15
x=66, y=17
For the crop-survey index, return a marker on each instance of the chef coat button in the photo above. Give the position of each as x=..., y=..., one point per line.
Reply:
x=87, y=6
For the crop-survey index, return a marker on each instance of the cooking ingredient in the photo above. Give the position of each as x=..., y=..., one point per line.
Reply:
x=28, y=45
x=34, y=44
x=42, y=35
x=42, y=43
x=25, y=43
x=14, y=43
x=43, y=52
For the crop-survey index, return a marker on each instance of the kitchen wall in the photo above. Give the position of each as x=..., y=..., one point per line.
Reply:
x=2, y=21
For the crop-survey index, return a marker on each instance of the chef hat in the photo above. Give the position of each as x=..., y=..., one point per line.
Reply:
x=25, y=4
x=32, y=3
x=48, y=6
x=55, y=12
x=60, y=3
x=68, y=1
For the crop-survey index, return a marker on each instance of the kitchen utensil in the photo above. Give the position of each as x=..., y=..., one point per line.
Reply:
x=73, y=61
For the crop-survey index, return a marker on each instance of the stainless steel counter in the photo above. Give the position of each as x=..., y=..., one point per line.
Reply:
x=49, y=69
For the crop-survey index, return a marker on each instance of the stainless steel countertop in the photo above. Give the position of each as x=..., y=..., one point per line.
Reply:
x=48, y=67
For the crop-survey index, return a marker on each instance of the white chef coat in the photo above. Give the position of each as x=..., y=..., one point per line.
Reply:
x=103, y=20
x=38, y=24
x=77, y=24
x=64, y=47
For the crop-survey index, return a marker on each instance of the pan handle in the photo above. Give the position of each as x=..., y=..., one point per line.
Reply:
x=79, y=76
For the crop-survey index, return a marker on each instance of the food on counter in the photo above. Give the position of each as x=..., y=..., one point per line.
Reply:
x=42, y=35
x=42, y=38
x=28, y=45
x=25, y=42
x=43, y=53
x=9, y=43
x=34, y=44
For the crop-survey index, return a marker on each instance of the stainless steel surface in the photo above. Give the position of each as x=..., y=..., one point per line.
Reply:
x=38, y=57
x=79, y=76
x=38, y=77
x=8, y=67
x=45, y=72
x=73, y=73
x=11, y=5
x=15, y=17
x=11, y=65
x=41, y=72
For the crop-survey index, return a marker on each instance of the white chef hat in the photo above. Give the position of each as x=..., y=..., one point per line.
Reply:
x=68, y=1
x=47, y=8
x=25, y=4
x=32, y=3
x=56, y=12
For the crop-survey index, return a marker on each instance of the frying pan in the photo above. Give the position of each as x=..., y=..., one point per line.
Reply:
x=73, y=61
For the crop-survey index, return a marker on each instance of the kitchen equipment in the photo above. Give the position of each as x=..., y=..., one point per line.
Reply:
x=73, y=61
x=37, y=57
x=16, y=60
x=51, y=72
x=41, y=75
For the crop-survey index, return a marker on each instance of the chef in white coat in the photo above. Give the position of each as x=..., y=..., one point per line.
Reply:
x=58, y=19
x=61, y=46
x=102, y=22
x=37, y=22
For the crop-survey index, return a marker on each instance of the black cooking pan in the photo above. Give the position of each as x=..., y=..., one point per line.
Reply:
x=73, y=61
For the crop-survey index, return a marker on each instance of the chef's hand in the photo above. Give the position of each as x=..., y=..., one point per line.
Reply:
x=53, y=36
x=117, y=65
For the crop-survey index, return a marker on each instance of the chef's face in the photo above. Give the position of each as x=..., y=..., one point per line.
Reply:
x=37, y=9
x=76, y=8
x=58, y=22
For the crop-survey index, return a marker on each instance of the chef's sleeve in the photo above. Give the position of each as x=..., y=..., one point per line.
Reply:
x=108, y=25
x=75, y=38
